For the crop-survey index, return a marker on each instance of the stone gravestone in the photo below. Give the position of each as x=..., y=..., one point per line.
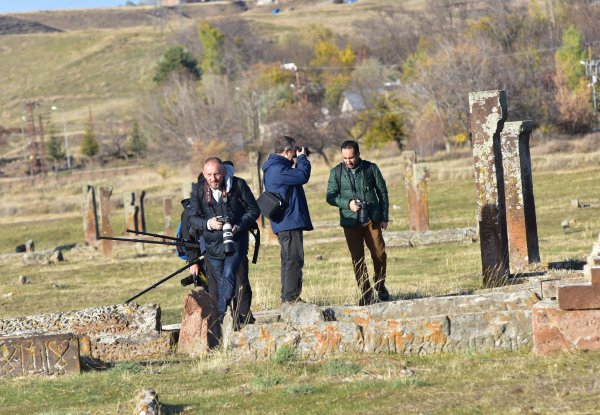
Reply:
x=199, y=327
x=39, y=355
x=168, y=221
x=133, y=216
x=106, y=228
x=488, y=113
x=518, y=185
x=89, y=224
x=415, y=178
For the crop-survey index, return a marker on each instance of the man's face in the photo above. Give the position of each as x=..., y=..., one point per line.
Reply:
x=350, y=159
x=290, y=154
x=213, y=173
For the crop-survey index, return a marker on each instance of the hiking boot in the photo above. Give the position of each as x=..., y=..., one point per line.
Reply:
x=383, y=293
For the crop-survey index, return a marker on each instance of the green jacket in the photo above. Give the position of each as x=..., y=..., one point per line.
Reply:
x=341, y=195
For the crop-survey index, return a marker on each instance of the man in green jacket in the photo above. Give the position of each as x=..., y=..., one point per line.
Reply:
x=358, y=189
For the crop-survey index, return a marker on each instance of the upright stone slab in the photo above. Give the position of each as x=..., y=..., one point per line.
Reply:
x=39, y=355
x=89, y=225
x=416, y=177
x=132, y=216
x=168, y=222
x=409, y=159
x=106, y=228
x=488, y=113
x=199, y=327
x=518, y=185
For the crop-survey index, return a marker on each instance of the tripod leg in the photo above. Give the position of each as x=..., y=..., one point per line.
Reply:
x=159, y=282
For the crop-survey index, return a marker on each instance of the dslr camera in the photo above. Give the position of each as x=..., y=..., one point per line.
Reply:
x=228, y=247
x=306, y=150
x=363, y=213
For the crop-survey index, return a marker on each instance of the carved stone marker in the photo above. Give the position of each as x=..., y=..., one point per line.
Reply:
x=168, y=209
x=106, y=228
x=133, y=218
x=415, y=178
x=199, y=326
x=518, y=185
x=39, y=355
x=89, y=225
x=488, y=113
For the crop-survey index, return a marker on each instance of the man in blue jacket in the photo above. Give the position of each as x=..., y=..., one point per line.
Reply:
x=280, y=176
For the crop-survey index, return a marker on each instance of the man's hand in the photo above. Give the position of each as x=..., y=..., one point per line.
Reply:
x=194, y=270
x=383, y=225
x=214, y=224
x=354, y=206
x=301, y=152
x=235, y=229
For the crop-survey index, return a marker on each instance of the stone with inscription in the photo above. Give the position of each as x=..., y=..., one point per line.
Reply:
x=556, y=330
x=39, y=355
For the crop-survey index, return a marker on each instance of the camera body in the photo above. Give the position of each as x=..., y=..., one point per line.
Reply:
x=228, y=247
x=306, y=150
x=363, y=213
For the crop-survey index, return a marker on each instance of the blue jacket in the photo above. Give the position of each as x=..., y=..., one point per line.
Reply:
x=279, y=176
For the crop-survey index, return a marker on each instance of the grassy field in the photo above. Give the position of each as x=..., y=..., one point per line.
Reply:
x=463, y=383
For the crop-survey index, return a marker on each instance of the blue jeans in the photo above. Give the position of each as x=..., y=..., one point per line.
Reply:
x=225, y=272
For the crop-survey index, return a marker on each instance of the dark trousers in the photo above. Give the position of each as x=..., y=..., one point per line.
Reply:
x=370, y=235
x=292, y=262
x=242, y=296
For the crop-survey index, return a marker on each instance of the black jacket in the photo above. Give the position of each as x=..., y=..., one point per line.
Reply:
x=241, y=208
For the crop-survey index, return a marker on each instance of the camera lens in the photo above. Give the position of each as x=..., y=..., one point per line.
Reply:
x=228, y=247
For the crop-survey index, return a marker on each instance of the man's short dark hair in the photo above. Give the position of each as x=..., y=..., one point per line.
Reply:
x=284, y=142
x=350, y=144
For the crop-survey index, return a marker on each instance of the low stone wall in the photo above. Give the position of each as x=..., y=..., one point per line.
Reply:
x=473, y=322
x=110, y=333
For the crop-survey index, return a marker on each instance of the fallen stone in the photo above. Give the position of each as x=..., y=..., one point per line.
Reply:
x=39, y=355
x=115, y=333
x=301, y=314
x=147, y=402
x=556, y=330
x=30, y=245
x=22, y=280
x=579, y=297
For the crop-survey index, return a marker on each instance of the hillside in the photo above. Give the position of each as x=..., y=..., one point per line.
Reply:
x=105, y=58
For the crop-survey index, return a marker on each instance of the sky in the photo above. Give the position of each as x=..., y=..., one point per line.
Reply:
x=10, y=6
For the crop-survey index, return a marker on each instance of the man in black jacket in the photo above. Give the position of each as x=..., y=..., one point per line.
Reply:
x=214, y=202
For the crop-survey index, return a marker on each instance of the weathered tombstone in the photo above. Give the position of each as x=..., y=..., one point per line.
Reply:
x=518, y=186
x=199, y=326
x=106, y=228
x=89, y=224
x=415, y=178
x=488, y=112
x=168, y=209
x=29, y=245
x=132, y=216
x=39, y=355
x=147, y=403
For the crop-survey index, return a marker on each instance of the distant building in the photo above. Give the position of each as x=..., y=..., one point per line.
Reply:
x=352, y=102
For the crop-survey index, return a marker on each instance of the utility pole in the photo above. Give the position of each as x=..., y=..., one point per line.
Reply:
x=30, y=106
x=591, y=71
x=42, y=145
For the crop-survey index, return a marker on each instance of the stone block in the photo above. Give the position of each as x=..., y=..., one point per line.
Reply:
x=301, y=314
x=200, y=326
x=39, y=355
x=595, y=275
x=111, y=333
x=556, y=330
x=579, y=297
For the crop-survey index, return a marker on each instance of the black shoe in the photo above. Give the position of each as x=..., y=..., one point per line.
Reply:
x=366, y=299
x=383, y=294
x=294, y=300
